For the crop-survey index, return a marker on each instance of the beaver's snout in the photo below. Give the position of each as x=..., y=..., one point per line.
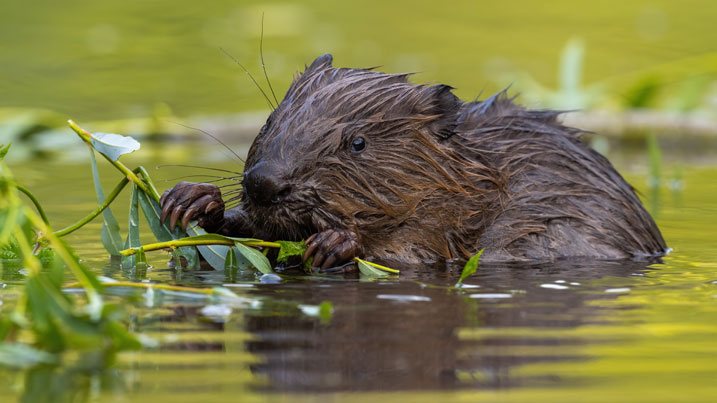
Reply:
x=264, y=185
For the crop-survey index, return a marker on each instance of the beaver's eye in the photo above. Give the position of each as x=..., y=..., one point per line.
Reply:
x=358, y=145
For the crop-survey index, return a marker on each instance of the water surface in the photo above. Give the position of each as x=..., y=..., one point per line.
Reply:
x=565, y=331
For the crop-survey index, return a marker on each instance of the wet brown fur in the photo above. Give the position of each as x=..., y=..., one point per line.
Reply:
x=440, y=178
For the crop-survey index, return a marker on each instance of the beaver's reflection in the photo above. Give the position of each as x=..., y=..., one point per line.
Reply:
x=408, y=334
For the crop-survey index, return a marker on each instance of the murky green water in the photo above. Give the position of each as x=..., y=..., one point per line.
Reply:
x=572, y=331
x=110, y=60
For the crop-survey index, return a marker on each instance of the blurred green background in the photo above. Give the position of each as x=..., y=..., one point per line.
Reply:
x=99, y=60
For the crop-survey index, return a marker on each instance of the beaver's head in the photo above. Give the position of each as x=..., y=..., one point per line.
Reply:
x=352, y=149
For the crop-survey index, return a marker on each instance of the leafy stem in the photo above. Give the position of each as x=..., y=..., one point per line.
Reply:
x=195, y=242
x=87, y=138
x=34, y=201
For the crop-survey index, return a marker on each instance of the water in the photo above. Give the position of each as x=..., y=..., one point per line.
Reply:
x=567, y=331
x=105, y=60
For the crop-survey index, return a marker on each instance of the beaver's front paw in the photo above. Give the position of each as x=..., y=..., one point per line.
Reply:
x=332, y=249
x=201, y=201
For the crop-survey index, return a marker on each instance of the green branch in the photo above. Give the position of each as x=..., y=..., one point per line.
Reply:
x=34, y=200
x=195, y=242
x=113, y=195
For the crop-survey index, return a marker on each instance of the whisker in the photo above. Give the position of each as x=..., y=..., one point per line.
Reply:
x=206, y=133
x=216, y=178
x=250, y=76
x=261, y=56
x=234, y=198
x=198, y=167
x=228, y=184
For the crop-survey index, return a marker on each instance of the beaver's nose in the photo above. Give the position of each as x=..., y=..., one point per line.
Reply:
x=264, y=186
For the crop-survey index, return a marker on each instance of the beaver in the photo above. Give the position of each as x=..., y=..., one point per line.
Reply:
x=363, y=163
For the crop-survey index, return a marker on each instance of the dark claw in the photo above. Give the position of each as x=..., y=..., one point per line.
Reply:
x=164, y=196
x=332, y=248
x=166, y=209
x=211, y=208
x=174, y=217
x=191, y=211
x=325, y=247
x=187, y=201
x=312, y=243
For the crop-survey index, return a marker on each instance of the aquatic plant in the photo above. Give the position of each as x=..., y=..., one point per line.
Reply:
x=46, y=320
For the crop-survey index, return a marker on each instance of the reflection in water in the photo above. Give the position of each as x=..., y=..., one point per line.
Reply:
x=409, y=334
x=416, y=333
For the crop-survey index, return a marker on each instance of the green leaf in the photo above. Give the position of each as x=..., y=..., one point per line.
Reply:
x=470, y=267
x=23, y=356
x=254, y=256
x=113, y=145
x=140, y=260
x=213, y=254
x=161, y=231
x=132, y=229
x=230, y=261
x=123, y=340
x=372, y=269
x=643, y=93
x=111, y=237
x=45, y=306
x=368, y=270
x=326, y=312
x=289, y=249
x=4, y=150
x=56, y=273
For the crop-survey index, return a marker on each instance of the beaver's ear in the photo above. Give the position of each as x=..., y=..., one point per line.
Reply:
x=321, y=62
x=445, y=105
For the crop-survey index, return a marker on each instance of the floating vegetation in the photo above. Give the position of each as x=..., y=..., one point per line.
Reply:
x=470, y=267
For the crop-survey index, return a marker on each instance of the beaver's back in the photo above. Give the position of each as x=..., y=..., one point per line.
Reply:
x=559, y=198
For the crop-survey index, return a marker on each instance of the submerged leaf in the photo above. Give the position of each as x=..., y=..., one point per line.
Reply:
x=113, y=145
x=470, y=267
